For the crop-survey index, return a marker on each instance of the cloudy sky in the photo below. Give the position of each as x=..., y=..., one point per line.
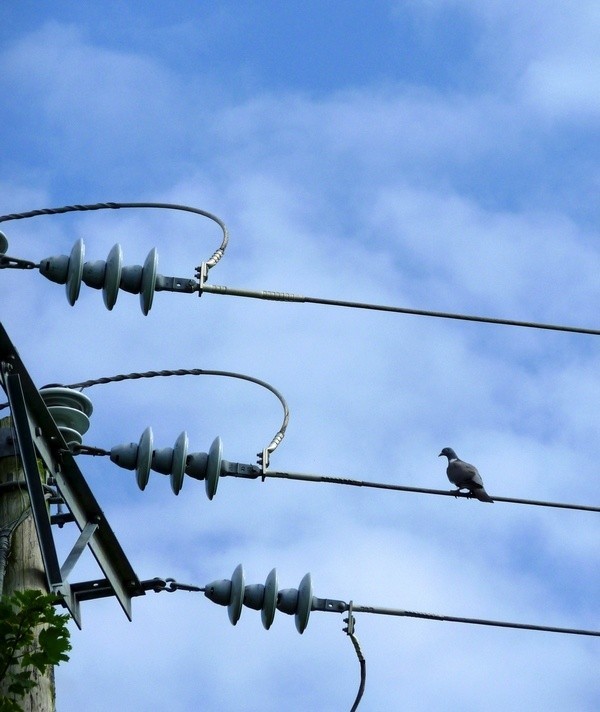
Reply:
x=439, y=155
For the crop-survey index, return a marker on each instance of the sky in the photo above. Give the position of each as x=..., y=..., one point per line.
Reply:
x=439, y=155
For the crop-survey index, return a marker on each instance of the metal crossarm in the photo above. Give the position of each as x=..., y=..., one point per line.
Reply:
x=38, y=436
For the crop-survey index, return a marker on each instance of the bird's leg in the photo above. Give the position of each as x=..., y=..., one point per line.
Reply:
x=455, y=492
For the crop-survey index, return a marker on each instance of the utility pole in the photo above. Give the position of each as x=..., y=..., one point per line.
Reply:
x=21, y=561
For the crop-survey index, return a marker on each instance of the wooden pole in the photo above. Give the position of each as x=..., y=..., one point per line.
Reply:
x=24, y=565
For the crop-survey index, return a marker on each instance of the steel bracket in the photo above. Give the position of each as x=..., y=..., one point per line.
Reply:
x=38, y=438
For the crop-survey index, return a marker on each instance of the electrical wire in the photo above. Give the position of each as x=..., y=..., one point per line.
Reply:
x=363, y=671
x=349, y=630
x=199, y=372
x=421, y=490
x=341, y=606
x=286, y=297
x=253, y=473
x=211, y=262
x=475, y=621
x=275, y=296
x=283, y=296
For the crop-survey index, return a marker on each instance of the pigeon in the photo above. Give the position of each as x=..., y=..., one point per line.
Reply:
x=464, y=476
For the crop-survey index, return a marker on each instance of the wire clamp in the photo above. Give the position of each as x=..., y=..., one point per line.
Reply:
x=202, y=276
x=349, y=629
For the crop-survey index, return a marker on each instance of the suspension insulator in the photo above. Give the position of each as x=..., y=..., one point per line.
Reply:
x=109, y=275
x=175, y=461
x=233, y=594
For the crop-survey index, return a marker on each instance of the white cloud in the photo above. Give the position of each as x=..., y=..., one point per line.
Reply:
x=357, y=196
x=565, y=87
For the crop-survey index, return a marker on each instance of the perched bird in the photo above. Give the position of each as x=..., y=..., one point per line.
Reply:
x=464, y=475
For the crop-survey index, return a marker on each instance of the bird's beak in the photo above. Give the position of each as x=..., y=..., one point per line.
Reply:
x=441, y=453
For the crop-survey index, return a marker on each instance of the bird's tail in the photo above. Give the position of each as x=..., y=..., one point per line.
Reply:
x=482, y=495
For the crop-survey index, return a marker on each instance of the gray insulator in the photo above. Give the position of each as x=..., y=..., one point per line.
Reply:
x=75, y=271
x=269, y=606
x=148, y=281
x=144, y=458
x=112, y=276
x=234, y=609
x=178, y=465
x=263, y=598
x=125, y=456
x=131, y=278
x=171, y=461
x=162, y=460
x=254, y=596
x=297, y=602
x=70, y=410
x=287, y=600
x=305, y=598
x=196, y=465
x=136, y=457
x=55, y=268
x=219, y=592
x=213, y=468
x=93, y=274
x=228, y=593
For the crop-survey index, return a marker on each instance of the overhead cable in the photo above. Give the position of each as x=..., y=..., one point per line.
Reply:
x=421, y=490
x=286, y=297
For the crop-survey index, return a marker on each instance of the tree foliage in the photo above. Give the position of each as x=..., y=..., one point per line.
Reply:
x=33, y=636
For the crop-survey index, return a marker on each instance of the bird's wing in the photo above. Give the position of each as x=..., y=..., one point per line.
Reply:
x=470, y=472
x=457, y=474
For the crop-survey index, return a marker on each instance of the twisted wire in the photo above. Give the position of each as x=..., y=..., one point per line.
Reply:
x=211, y=262
x=198, y=372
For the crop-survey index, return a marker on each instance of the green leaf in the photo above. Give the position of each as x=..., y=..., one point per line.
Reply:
x=32, y=636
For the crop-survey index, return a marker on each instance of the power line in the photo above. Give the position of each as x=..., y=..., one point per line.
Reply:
x=286, y=297
x=252, y=472
x=329, y=605
x=421, y=490
x=202, y=273
x=474, y=621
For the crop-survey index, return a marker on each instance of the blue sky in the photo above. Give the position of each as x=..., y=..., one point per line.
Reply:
x=438, y=155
